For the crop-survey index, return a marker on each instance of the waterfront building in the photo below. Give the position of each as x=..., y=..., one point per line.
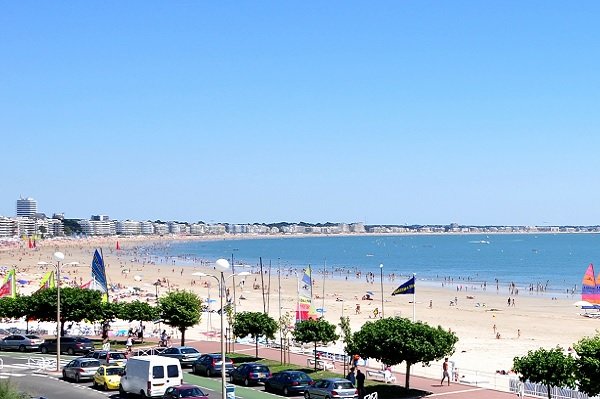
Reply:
x=26, y=207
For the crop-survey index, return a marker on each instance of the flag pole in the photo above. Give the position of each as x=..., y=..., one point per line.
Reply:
x=414, y=298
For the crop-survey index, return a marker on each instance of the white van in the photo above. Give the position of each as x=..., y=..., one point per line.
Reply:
x=150, y=376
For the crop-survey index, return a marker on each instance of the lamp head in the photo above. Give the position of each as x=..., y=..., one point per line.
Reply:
x=222, y=265
x=381, y=265
x=59, y=256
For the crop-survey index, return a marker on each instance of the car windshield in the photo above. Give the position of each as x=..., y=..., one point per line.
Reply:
x=343, y=385
x=114, y=370
x=188, y=350
x=190, y=392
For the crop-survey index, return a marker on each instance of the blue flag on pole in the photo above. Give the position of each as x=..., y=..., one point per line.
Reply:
x=406, y=288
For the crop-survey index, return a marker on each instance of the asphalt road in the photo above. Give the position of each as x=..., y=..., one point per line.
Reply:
x=51, y=386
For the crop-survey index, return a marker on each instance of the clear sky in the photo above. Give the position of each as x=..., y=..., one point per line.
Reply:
x=399, y=112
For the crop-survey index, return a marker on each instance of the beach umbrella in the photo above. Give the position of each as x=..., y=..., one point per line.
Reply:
x=137, y=277
x=370, y=293
x=199, y=274
x=321, y=310
x=582, y=303
x=23, y=282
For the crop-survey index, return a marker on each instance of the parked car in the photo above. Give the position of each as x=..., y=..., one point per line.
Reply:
x=249, y=374
x=108, y=377
x=210, y=364
x=185, y=391
x=82, y=368
x=185, y=354
x=288, y=382
x=114, y=358
x=331, y=388
x=21, y=342
x=70, y=345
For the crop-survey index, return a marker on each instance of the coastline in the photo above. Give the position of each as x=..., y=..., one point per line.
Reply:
x=540, y=320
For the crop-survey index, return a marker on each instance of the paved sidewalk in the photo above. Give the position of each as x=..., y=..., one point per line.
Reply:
x=454, y=391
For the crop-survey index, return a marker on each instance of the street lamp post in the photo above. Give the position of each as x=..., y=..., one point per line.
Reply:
x=58, y=257
x=381, y=278
x=222, y=265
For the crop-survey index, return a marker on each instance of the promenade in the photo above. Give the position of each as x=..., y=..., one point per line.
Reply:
x=454, y=391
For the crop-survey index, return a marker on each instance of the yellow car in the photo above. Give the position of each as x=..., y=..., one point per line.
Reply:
x=108, y=377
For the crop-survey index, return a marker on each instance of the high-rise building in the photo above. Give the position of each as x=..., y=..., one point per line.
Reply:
x=26, y=207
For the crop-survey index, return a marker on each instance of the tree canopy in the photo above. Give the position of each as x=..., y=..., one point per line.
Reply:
x=255, y=324
x=552, y=368
x=315, y=331
x=411, y=342
x=588, y=365
x=180, y=309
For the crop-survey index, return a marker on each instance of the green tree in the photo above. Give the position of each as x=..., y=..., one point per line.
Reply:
x=76, y=304
x=552, y=368
x=411, y=342
x=588, y=365
x=138, y=310
x=255, y=324
x=8, y=390
x=315, y=331
x=346, y=334
x=180, y=309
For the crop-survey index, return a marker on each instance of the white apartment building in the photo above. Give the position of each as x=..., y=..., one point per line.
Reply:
x=161, y=228
x=56, y=227
x=8, y=227
x=26, y=207
x=98, y=228
x=147, y=228
x=129, y=228
x=198, y=229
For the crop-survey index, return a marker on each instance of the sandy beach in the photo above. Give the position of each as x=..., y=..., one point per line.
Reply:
x=475, y=315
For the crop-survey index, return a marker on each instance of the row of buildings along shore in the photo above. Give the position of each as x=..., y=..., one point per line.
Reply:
x=28, y=222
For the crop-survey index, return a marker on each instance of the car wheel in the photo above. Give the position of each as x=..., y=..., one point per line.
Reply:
x=22, y=348
x=70, y=351
x=231, y=380
x=65, y=375
x=143, y=394
x=122, y=392
x=44, y=350
x=208, y=373
x=246, y=382
x=285, y=391
x=306, y=395
x=77, y=378
x=106, y=387
x=194, y=369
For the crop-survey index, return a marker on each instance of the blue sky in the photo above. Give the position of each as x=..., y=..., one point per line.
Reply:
x=400, y=112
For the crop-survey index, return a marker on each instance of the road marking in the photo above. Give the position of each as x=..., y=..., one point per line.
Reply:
x=456, y=392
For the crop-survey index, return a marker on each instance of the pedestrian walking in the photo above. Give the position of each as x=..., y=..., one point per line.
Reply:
x=445, y=373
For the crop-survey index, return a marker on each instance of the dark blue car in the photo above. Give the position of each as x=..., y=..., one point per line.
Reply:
x=210, y=364
x=288, y=382
x=250, y=374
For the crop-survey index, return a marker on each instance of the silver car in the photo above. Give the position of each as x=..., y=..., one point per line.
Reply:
x=21, y=342
x=186, y=355
x=331, y=388
x=82, y=368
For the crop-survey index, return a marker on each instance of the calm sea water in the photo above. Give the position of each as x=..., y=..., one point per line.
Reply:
x=555, y=260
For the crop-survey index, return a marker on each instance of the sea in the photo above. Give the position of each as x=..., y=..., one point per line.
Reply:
x=552, y=263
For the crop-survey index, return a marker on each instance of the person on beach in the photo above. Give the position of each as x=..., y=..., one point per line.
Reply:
x=129, y=343
x=445, y=373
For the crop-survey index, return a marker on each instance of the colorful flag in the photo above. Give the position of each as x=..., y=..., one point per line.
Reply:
x=305, y=309
x=99, y=273
x=406, y=288
x=48, y=281
x=9, y=286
